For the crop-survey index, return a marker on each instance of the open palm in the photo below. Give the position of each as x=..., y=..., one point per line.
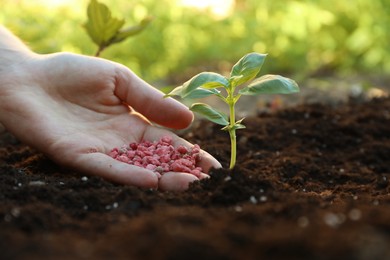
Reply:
x=76, y=108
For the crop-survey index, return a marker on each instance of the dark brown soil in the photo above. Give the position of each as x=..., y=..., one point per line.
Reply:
x=312, y=182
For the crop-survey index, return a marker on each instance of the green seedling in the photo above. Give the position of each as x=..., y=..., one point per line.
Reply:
x=245, y=70
x=105, y=30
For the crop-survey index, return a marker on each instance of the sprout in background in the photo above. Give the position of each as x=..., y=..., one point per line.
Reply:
x=246, y=69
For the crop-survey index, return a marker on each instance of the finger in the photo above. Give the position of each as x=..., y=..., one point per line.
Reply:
x=203, y=176
x=151, y=102
x=108, y=168
x=208, y=161
x=176, y=181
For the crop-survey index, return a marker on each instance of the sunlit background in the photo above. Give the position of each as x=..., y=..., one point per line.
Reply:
x=302, y=38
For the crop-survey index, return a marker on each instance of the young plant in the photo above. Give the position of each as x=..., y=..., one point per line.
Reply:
x=209, y=83
x=105, y=30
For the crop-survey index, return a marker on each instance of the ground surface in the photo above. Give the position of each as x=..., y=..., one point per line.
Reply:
x=311, y=182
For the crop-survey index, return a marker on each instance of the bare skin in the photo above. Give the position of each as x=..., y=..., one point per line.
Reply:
x=75, y=109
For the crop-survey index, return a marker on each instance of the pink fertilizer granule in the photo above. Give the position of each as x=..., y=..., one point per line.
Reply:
x=160, y=156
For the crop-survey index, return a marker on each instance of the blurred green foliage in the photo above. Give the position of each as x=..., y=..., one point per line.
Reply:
x=106, y=30
x=301, y=37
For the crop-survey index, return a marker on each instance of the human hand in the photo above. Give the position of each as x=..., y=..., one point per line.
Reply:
x=75, y=109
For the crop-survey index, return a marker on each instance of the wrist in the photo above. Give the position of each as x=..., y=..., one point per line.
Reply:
x=12, y=50
x=13, y=54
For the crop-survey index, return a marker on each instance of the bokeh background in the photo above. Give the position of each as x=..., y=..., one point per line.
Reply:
x=304, y=38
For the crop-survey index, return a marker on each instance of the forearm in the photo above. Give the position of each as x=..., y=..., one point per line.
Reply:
x=12, y=49
x=12, y=53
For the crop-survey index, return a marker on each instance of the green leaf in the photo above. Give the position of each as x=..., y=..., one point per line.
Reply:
x=240, y=121
x=209, y=113
x=234, y=80
x=132, y=30
x=175, y=92
x=270, y=84
x=234, y=127
x=101, y=27
x=206, y=80
x=196, y=93
x=201, y=93
x=248, y=67
x=239, y=126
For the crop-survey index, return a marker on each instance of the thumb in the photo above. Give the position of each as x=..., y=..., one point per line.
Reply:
x=150, y=102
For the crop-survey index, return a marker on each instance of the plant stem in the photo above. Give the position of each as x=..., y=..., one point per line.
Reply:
x=99, y=50
x=232, y=133
x=233, y=152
